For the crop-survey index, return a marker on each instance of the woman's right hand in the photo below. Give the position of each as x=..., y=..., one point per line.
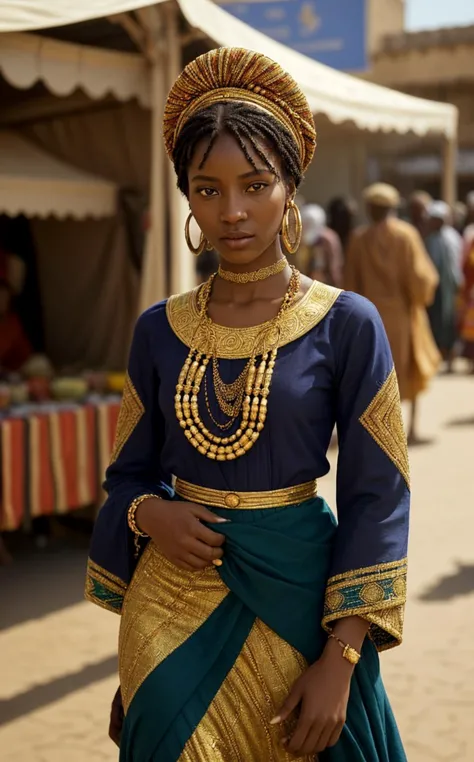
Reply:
x=177, y=530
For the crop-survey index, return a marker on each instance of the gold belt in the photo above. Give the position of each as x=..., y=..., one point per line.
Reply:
x=218, y=498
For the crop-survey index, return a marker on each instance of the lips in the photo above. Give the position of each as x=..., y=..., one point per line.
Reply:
x=236, y=236
x=237, y=241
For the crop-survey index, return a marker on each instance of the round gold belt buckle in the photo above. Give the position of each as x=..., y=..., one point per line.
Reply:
x=232, y=500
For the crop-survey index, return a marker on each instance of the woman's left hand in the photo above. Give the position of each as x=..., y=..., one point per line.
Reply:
x=322, y=694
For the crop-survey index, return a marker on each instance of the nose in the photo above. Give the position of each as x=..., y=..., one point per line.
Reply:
x=232, y=211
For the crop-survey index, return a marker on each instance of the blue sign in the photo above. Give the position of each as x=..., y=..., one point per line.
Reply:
x=331, y=31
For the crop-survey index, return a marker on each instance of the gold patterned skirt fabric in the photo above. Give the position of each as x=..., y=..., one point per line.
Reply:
x=236, y=726
x=164, y=606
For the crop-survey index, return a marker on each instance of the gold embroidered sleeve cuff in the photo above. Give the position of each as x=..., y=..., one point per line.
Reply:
x=376, y=594
x=103, y=588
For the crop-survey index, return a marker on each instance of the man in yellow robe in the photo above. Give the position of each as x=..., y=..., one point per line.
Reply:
x=388, y=264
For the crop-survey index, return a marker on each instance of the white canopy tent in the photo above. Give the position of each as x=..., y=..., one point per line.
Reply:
x=147, y=77
x=36, y=184
x=340, y=96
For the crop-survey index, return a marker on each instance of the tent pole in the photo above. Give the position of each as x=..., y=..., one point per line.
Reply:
x=183, y=276
x=449, y=184
x=153, y=280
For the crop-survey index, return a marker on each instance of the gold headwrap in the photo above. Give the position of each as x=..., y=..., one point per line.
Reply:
x=241, y=75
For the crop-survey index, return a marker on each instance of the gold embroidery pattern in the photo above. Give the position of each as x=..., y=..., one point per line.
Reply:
x=103, y=588
x=375, y=593
x=163, y=607
x=237, y=724
x=239, y=343
x=131, y=410
x=383, y=420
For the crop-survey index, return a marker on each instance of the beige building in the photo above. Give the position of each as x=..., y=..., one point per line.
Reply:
x=438, y=65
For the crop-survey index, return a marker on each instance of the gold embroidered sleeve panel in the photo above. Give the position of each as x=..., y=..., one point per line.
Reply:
x=383, y=421
x=376, y=594
x=131, y=411
x=239, y=343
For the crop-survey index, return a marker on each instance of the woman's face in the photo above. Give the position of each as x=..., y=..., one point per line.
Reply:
x=239, y=209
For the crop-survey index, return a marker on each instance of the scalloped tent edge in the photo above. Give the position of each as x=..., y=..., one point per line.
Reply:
x=38, y=185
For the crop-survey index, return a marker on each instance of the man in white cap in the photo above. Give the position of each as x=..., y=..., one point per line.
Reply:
x=444, y=245
x=388, y=264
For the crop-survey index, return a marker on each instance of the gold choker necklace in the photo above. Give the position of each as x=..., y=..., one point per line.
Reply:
x=252, y=277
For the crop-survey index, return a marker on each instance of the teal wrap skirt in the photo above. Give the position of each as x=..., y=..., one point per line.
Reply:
x=207, y=658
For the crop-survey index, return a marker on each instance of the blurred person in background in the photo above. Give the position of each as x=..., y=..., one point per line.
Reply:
x=388, y=264
x=459, y=216
x=418, y=204
x=15, y=347
x=320, y=256
x=467, y=305
x=469, y=221
x=444, y=246
x=341, y=217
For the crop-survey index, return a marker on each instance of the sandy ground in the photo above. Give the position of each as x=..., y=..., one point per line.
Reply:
x=58, y=653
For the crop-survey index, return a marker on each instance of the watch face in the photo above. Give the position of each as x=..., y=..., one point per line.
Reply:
x=351, y=655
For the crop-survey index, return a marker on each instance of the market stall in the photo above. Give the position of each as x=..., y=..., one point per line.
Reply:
x=53, y=457
x=56, y=432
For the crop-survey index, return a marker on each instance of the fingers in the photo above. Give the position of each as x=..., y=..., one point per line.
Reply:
x=195, y=562
x=182, y=564
x=196, y=555
x=209, y=536
x=335, y=735
x=116, y=719
x=316, y=740
x=294, y=698
x=203, y=551
x=204, y=514
x=302, y=730
x=319, y=736
x=115, y=733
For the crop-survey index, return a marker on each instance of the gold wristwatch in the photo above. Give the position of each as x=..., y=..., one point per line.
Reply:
x=349, y=653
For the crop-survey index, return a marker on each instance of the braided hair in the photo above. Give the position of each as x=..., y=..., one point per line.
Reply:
x=247, y=124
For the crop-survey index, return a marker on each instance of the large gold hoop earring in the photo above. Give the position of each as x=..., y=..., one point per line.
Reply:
x=291, y=228
x=203, y=242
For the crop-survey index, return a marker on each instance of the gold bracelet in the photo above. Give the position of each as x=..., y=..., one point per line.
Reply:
x=349, y=653
x=132, y=523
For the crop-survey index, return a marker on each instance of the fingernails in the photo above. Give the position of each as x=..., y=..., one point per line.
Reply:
x=275, y=720
x=217, y=562
x=223, y=521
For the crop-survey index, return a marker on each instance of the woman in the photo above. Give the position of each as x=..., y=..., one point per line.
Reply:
x=341, y=216
x=444, y=246
x=320, y=256
x=467, y=305
x=244, y=606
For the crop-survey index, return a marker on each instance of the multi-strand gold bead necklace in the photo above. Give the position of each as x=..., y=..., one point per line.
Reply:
x=246, y=395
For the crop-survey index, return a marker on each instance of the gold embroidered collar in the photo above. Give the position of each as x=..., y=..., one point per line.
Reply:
x=238, y=343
